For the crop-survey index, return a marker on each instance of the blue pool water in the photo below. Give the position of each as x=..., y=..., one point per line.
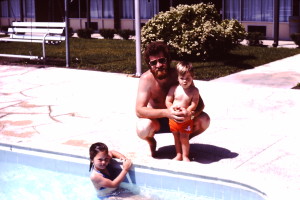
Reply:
x=26, y=182
x=42, y=175
x=19, y=181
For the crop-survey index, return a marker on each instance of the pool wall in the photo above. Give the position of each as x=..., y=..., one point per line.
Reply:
x=194, y=184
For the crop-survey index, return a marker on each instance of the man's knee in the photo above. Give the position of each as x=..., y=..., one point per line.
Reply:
x=202, y=122
x=145, y=128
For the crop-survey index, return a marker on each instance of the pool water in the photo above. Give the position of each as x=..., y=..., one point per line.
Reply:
x=33, y=174
x=30, y=183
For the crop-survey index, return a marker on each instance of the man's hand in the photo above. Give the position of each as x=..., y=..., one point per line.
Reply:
x=179, y=114
x=185, y=114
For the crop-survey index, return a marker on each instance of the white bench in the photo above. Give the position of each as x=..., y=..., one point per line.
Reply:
x=35, y=32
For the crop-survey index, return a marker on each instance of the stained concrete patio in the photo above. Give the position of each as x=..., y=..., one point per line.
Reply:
x=253, y=137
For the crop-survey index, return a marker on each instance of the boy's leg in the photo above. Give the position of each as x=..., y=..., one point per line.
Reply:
x=177, y=146
x=185, y=146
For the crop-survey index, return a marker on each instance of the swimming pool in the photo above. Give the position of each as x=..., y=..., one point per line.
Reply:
x=34, y=174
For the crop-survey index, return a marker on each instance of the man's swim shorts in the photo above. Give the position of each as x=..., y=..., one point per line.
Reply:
x=164, y=125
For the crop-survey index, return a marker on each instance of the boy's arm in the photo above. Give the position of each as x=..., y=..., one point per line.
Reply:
x=195, y=101
x=170, y=97
x=199, y=109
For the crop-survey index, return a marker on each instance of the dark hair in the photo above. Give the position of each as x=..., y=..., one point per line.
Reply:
x=155, y=48
x=95, y=149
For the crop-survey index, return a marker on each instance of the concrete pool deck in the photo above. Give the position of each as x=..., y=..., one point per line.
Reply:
x=253, y=137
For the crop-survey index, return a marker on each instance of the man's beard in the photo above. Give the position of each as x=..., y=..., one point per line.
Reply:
x=160, y=73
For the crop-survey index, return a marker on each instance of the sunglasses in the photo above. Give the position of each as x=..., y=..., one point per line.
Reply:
x=160, y=60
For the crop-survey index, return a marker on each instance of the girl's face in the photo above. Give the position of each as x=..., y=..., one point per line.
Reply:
x=185, y=80
x=101, y=160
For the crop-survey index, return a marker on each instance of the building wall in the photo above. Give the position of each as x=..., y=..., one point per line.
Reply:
x=283, y=29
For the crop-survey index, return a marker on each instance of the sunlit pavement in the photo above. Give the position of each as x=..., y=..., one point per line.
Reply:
x=253, y=137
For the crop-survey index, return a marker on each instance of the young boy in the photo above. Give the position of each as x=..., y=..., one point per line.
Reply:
x=185, y=95
x=100, y=157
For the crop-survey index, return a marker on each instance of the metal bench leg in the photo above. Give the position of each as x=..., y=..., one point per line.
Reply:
x=44, y=50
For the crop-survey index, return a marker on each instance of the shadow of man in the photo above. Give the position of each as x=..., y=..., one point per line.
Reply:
x=202, y=153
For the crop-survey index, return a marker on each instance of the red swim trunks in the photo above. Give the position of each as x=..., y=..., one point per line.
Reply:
x=184, y=127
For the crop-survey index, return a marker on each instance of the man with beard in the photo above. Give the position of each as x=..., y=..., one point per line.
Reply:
x=153, y=88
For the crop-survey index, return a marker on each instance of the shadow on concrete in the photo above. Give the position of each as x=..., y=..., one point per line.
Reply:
x=202, y=153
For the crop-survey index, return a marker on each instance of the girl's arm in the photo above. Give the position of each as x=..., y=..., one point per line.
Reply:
x=99, y=181
x=116, y=154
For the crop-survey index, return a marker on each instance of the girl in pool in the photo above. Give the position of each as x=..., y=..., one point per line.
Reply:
x=100, y=158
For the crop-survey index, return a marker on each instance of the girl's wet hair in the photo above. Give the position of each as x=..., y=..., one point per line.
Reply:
x=95, y=149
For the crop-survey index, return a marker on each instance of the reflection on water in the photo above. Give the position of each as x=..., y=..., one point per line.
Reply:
x=25, y=182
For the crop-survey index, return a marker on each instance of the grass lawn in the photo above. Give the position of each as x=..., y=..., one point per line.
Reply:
x=119, y=56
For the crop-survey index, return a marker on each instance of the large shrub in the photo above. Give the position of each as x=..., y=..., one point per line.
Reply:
x=193, y=31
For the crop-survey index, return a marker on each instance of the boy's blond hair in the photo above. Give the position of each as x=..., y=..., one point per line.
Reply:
x=183, y=67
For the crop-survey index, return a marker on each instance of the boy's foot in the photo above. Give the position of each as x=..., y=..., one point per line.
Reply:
x=178, y=157
x=186, y=159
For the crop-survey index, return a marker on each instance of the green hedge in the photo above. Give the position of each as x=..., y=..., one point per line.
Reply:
x=193, y=31
x=84, y=33
x=108, y=33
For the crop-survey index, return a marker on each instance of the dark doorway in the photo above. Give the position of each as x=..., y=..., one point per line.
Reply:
x=49, y=10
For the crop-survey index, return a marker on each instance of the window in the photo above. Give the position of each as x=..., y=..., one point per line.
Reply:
x=4, y=8
x=108, y=9
x=14, y=8
x=256, y=10
x=29, y=9
x=232, y=9
x=128, y=9
x=148, y=8
x=102, y=9
x=96, y=9
x=11, y=8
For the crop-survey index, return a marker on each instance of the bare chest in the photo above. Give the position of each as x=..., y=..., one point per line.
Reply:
x=182, y=98
x=158, y=95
